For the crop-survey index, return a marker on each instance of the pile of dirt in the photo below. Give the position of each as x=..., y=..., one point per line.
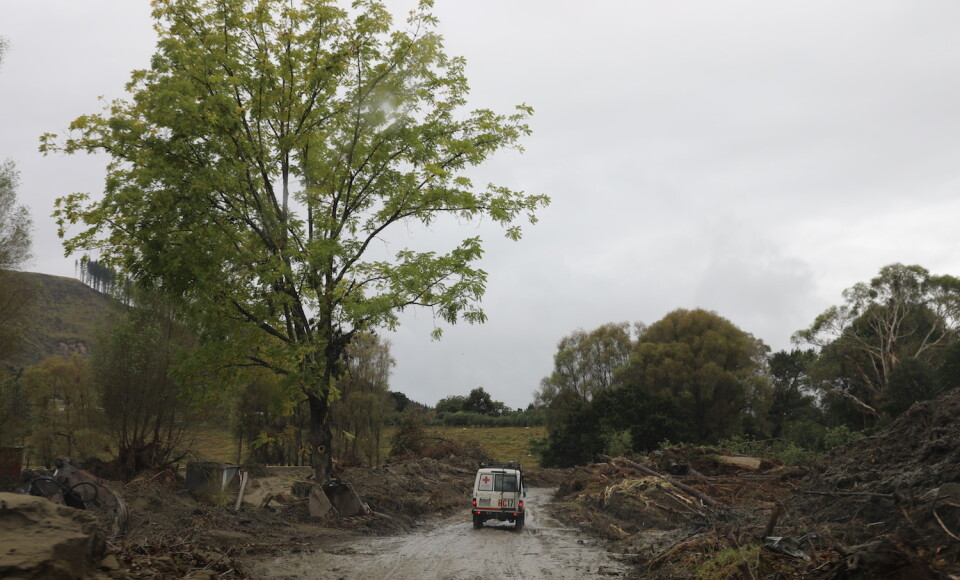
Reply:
x=40, y=539
x=914, y=455
x=672, y=512
x=892, y=501
x=176, y=532
x=400, y=493
x=180, y=533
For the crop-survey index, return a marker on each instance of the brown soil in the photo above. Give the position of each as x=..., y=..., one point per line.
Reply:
x=175, y=532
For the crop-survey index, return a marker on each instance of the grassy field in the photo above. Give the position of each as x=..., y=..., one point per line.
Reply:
x=503, y=443
x=213, y=443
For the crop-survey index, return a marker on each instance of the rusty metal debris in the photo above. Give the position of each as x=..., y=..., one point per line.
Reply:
x=68, y=485
x=786, y=545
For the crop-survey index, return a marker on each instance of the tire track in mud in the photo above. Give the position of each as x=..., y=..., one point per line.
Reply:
x=451, y=548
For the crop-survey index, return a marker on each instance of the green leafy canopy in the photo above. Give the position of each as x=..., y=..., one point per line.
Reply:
x=267, y=149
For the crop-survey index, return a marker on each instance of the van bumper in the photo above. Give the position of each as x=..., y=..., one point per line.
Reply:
x=498, y=514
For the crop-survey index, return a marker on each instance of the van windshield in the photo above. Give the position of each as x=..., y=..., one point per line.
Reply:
x=504, y=482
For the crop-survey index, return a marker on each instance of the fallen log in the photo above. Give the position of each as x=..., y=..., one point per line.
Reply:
x=895, y=497
x=691, y=472
x=743, y=462
x=707, y=500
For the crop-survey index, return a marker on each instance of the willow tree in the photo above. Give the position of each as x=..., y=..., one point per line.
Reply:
x=585, y=362
x=262, y=160
x=358, y=415
x=711, y=370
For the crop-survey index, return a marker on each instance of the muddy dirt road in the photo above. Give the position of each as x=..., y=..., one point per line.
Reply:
x=451, y=548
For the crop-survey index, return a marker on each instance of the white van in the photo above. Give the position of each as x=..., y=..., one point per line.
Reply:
x=498, y=494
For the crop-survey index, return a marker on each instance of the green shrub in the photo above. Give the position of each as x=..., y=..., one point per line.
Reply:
x=783, y=450
x=617, y=443
x=836, y=436
x=731, y=563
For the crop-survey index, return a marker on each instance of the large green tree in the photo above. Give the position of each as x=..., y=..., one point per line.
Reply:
x=263, y=160
x=712, y=371
x=479, y=401
x=15, y=220
x=585, y=362
x=904, y=314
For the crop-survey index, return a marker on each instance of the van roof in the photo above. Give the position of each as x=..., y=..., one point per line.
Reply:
x=500, y=464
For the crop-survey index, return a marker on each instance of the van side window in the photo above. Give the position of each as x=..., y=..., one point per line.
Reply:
x=504, y=482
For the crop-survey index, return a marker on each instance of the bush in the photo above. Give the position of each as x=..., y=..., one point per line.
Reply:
x=465, y=419
x=617, y=444
x=731, y=563
x=538, y=446
x=621, y=418
x=836, y=436
x=409, y=437
x=807, y=434
x=787, y=452
x=528, y=418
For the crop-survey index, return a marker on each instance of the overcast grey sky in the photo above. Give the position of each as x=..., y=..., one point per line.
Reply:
x=752, y=157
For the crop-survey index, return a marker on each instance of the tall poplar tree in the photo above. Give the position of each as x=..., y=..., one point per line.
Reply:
x=262, y=158
x=16, y=293
x=15, y=223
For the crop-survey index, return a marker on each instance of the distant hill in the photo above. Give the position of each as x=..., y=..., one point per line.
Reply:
x=65, y=317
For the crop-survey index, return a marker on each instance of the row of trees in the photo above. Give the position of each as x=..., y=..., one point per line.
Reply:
x=695, y=377
x=479, y=409
x=96, y=275
x=124, y=399
x=692, y=376
x=135, y=400
x=478, y=401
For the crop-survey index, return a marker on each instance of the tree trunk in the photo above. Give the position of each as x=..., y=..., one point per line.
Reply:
x=321, y=438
